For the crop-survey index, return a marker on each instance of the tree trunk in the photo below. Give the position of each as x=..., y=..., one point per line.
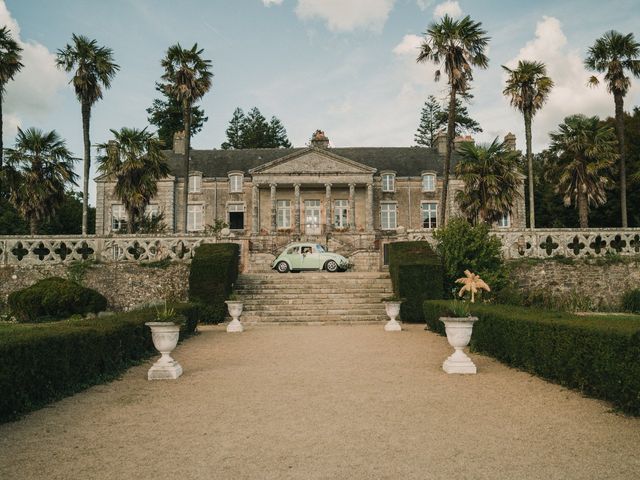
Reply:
x=527, y=133
x=33, y=225
x=583, y=207
x=186, y=111
x=447, y=157
x=130, y=220
x=1, y=144
x=623, y=169
x=86, y=119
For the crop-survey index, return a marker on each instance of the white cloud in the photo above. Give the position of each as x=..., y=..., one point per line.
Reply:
x=449, y=7
x=34, y=89
x=268, y=3
x=409, y=45
x=347, y=15
x=425, y=4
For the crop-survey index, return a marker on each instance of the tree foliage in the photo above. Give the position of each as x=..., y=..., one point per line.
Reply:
x=425, y=135
x=10, y=64
x=463, y=124
x=253, y=131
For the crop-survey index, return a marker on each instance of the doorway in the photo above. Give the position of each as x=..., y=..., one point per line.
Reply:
x=312, y=217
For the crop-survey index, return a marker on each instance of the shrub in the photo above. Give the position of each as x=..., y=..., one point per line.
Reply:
x=53, y=299
x=214, y=270
x=45, y=362
x=597, y=355
x=416, y=274
x=631, y=301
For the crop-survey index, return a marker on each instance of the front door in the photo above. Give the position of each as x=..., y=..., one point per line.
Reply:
x=312, y=217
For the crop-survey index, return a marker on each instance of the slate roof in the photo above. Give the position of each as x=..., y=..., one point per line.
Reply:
x=405, y=161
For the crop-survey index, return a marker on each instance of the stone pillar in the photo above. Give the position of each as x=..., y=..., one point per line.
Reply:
x=296, y=207
x=255, y=211
x=352, y=206
x=274, y=210
x=327, y=206
x=369, y=207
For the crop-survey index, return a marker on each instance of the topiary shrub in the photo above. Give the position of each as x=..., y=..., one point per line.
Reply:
x=54, y=298
x=631, y=301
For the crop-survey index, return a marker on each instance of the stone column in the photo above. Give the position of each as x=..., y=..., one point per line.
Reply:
x=352, y=206
x=255, y=211
x=296, y=207
x=369, y=207
x=327, y=206
x=274, y=211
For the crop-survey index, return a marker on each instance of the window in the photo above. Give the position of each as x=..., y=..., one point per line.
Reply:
x=283, y=217
x=504, y=221
x=235, y=183
x=293, y=250
x=388, y=216
x=195, y=182
x=340, y=214
x=236, y=216
x=428, y=182
x=388, y=182
x=118, y=218
x=429, y=212
x=152, y=211
x=194, y=218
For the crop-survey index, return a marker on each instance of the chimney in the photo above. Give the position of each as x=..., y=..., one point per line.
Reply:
x=178, y=142
x=441, y=142
x=319, y=139
x=112, y=148
x=510, y=141
x=458, y=141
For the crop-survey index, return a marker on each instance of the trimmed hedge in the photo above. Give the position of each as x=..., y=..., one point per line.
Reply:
x=41, y=363
x=214, y=270
x=417, y=275
x=54, y=298
x=631, y=301
x=598, y=355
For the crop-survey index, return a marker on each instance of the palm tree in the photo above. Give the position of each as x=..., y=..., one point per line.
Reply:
x=94, y=70
x=616, y=54
x=9, y=65
x=456, y=46
x=38, y=169
x=136, y=161
x=491, y=181
x=187, y=78
x=584, y=151
x=529, y=87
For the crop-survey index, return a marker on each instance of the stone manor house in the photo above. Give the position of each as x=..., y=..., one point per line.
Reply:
x=311, y=191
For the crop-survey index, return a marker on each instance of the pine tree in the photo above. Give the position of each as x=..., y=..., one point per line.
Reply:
x=426, y=134
x=464, y=124
x=235, y=131
x=253, y=131
x=278, y=134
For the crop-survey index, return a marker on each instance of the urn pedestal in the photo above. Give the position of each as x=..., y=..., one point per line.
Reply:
x=165, y=338
x=235, y=310
x=459, y=334
x=393, y=310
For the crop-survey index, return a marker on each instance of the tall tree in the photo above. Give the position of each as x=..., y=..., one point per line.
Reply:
x=456, y=46
x=585, y=151
x=94, y=69
x=235, y=131
x=278, y=134
x=253, y=131
x=135, y=159
x=166, y=114
x=38, y=169
x=491, y=181
x=462, y=124
x=616, y=54
x=428, y=128
x=528, y=87
x=187, y=78
x=10, y=56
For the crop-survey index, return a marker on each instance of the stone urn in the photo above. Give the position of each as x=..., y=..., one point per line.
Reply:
x=392, y=308
x=165, y=338
x=235, y=310
x=459, y=334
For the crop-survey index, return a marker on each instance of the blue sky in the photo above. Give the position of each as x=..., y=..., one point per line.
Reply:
x=345, y=66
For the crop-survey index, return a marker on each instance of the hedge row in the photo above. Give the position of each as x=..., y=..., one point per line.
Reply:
x=598, y=355
x=41, y=363
x=214, y=270
x=416, y=274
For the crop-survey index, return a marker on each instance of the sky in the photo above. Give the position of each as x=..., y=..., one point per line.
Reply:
x=347, y=67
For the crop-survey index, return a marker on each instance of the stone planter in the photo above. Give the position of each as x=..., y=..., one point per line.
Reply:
x=235, y=310
x=393, y=310
x=165, y=338
x=459, y=334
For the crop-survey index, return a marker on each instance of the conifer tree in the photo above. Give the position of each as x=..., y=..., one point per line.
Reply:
x=426, y=134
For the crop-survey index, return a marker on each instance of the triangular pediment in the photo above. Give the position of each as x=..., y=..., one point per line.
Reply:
x=313, y=161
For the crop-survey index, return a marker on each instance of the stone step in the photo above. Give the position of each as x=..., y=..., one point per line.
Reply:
x=266, y=302
x=313, y=293
x=317, y=319
x=316, y=313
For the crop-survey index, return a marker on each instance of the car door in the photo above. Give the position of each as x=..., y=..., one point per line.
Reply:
x=295, y=258
x=312, y=259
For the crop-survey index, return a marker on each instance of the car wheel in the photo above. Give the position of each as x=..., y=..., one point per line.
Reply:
x=331, y=266
x=282, y=267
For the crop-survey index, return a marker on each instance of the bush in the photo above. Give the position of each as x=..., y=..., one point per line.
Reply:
x=631, y=301
x=462, y=246
x=416, y=274
x=597, y=355
x=53, y=299
x=45, y=362
x=214, y=270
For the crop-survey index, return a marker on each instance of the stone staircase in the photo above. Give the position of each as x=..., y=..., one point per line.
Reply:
x=313, y=297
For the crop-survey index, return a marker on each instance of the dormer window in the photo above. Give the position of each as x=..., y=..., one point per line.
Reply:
x=235, y=182
x=388, y=182
x=195, y=182
x=428, y=182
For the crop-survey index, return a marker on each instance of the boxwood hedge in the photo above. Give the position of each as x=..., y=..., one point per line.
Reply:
x=598, y=355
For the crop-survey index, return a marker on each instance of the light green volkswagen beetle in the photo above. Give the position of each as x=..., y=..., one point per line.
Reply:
x=308, y=256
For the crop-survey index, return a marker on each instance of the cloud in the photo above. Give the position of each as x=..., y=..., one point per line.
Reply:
x=409, y=45
x=425, y=4
x=33, y=91
x=449, y=7
x=347, y=15
x=268, y=3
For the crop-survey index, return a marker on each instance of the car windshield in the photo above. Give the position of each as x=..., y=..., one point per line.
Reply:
x=320, y=248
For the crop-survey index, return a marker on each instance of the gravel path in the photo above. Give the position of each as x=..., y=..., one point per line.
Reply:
x=332, y=402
